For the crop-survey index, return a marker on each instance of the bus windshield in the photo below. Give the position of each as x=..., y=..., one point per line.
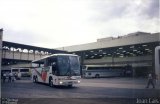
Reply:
x=68, y=65
x=74, y=65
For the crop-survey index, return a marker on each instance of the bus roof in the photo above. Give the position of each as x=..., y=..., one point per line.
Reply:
x=41, y=60
x=103, y=66
x=20, y=67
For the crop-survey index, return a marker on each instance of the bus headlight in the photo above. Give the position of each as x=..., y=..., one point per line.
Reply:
x=79, y=81
x=60, y=82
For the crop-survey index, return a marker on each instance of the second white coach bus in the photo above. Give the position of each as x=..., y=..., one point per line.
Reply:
x=24, y=72
x=57, y=69
x=97, y=71
x=18, y=72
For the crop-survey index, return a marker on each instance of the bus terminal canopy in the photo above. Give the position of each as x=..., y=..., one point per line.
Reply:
x=120, y=51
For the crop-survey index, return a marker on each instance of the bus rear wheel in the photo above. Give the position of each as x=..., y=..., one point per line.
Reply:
x=97, y=76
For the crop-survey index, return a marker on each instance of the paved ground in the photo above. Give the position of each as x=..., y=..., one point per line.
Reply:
x=111, y=90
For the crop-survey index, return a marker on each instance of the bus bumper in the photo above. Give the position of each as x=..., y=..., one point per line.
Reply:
x=63, y=82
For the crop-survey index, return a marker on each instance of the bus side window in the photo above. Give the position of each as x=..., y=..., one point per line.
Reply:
x=41, y=65
x=53, y=67
x=53, y=63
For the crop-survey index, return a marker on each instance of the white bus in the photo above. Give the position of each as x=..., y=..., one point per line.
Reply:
x=5, y=71
x=97, y=71
x=157, y=63
x=14, y=71
x=57, y=69
x=18, y=72
x=24, y=71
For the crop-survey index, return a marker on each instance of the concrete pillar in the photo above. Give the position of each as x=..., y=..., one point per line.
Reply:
x=13, y=52
x=5, y=52
x=113, y=59
x=40, y=54
x=28, y=54
x=82, y=60
x=157, y=63
x=21, y=53
x=34, y=52
x=1, y=35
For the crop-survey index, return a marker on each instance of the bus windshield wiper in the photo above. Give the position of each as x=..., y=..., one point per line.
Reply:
x=73, y=72
x=68, y=71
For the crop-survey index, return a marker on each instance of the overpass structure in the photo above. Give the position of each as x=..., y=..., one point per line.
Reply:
x=134, y=49
x=21, y=55
x=14, y=54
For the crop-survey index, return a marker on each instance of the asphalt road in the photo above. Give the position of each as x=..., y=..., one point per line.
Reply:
x=92, y=91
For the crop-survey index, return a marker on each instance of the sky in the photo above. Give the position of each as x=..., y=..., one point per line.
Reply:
x=59, y=23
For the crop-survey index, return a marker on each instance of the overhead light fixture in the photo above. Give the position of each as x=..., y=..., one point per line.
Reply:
x=134, y=50
x=146, y=49
x=131, y=46
x=120, y=48
x=144, y=45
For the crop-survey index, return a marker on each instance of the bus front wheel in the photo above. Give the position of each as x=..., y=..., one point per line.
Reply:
x=51, y=83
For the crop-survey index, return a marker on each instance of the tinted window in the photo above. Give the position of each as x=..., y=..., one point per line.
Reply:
x=68, y=65
x=63, y=63
x=24, y=70
x=52, y=61
x=74, y=65
x=14, y=70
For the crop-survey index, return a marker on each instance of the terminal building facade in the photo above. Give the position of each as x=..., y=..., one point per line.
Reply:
x=135, y=50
